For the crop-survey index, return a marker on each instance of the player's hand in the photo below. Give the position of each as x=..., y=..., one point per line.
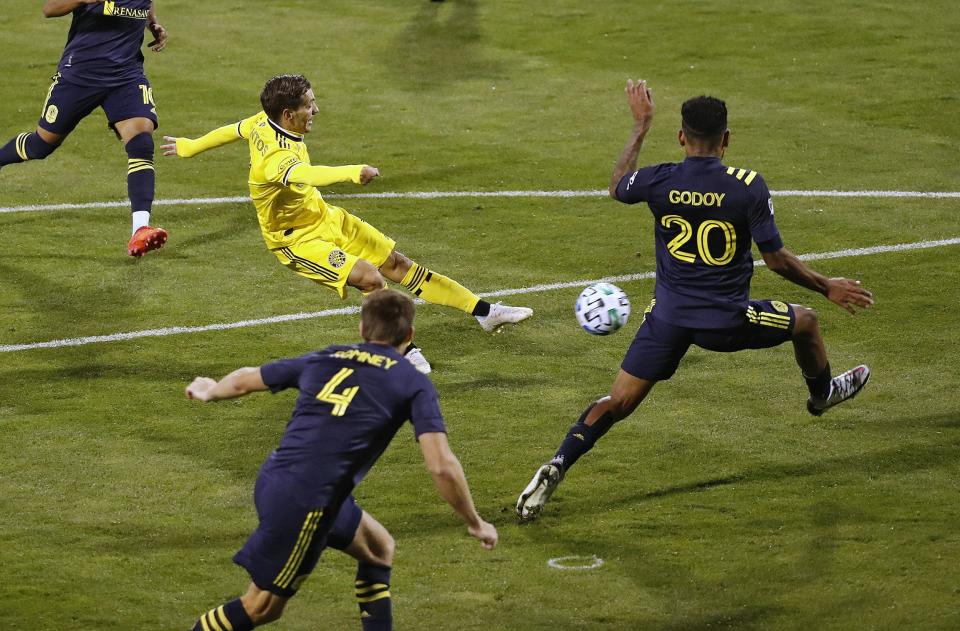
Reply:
x=486, y=533
x=169, y=148
x=848, y=294
x=200, y=388
x=159, y=37
x=641, y=102
x=367, y=174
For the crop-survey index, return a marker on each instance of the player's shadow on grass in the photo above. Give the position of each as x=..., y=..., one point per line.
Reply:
x=64, y=305
x=442, y=44
x=901, y=459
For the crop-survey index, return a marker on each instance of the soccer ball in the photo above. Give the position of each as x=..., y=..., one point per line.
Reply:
x=602, y=308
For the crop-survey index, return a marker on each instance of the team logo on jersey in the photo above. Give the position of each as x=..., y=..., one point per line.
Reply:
x=337, y=259
x=51, y=114
x=779, y=306
x=110, y=8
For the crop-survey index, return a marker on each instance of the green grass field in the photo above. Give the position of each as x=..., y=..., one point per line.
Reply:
x=719, y=504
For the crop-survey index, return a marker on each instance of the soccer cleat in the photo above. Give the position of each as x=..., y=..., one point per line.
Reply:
x=842, y=387
x=146, y=239
x=503, y=314
x=541, y=487
x=415, y=356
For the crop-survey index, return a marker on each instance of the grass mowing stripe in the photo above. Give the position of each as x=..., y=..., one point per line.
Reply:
x=178, y=330
x=455, y=194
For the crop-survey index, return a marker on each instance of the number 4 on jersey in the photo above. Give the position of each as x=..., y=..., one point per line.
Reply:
x=340, y=400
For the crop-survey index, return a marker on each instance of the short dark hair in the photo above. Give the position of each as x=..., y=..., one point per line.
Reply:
x=283, y=92
x=704, y=118
x=387, y=317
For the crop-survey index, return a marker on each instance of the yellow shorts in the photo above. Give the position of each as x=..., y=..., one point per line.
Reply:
x=327, y=255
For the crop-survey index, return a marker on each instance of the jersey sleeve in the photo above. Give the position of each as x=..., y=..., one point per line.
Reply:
x=284, y=373
x=635, y=187
x=189, y=147
x=323, y=176
x=425, y=409
x=245, y=126
x=763, y=229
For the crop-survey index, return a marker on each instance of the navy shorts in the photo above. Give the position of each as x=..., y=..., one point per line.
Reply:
x=289, y=539
x=659, y=346
x=68, y=103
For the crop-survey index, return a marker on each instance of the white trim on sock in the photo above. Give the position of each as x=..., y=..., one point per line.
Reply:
x=141, y=218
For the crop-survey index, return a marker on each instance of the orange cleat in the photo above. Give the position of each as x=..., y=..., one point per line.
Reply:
x=146, y=239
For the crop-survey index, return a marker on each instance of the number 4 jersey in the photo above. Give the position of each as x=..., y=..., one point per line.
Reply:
x=706, y=216
x=352, y=401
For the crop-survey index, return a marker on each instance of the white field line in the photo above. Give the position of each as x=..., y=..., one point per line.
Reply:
x=177, y=330
x=193, y=201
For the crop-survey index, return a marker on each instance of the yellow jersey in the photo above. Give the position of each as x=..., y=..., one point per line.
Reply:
x=282, y=181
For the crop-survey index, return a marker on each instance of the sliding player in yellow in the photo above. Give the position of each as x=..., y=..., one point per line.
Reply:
x=325, y=243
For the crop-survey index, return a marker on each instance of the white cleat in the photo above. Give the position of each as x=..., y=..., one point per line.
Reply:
x=545, y=481
x=842, y=387
x=503, y=314
x=415, y=356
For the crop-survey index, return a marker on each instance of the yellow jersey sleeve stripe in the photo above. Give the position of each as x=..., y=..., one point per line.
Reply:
x=741, y=173
x=750, y=177
x=730, y=170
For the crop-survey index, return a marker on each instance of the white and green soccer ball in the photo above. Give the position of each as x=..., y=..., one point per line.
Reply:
x=602, y=308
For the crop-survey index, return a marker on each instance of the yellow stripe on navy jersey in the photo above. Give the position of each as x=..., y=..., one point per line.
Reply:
x=740, y=173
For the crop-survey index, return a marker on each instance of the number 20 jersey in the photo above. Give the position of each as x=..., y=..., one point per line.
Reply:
x=706, y=215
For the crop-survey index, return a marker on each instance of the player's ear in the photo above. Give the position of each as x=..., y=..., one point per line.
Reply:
x=726, y=139
x=681, y=138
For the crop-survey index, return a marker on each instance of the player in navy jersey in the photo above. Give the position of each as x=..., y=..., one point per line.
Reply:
x=706, y=214
x=102, y=66
x=352, y=401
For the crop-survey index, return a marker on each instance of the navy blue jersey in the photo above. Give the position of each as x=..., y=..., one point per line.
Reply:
x=103, y=46
x=352, y=401
x=706, y=215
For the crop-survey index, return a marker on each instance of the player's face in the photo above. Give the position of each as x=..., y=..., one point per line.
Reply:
x=301, y=119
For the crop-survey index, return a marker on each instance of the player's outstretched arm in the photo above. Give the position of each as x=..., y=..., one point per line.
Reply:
x=324, y=176
x=844, y=292
x=452, y=484
x=159, y=33
x=189, y=147
x=640, y=99
x=57, y=8
x=238, y=383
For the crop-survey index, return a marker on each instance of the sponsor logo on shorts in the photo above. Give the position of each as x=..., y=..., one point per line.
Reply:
x=337, y=259
x=779, y=306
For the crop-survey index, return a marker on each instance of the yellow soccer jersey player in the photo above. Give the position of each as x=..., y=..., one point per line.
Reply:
x=325, y=243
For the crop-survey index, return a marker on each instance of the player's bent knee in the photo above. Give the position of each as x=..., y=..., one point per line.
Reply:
x=396, y=266
x=262, y=606
x=807, y=323
x=37, y=148
x=365, y=277
x=384, y=550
